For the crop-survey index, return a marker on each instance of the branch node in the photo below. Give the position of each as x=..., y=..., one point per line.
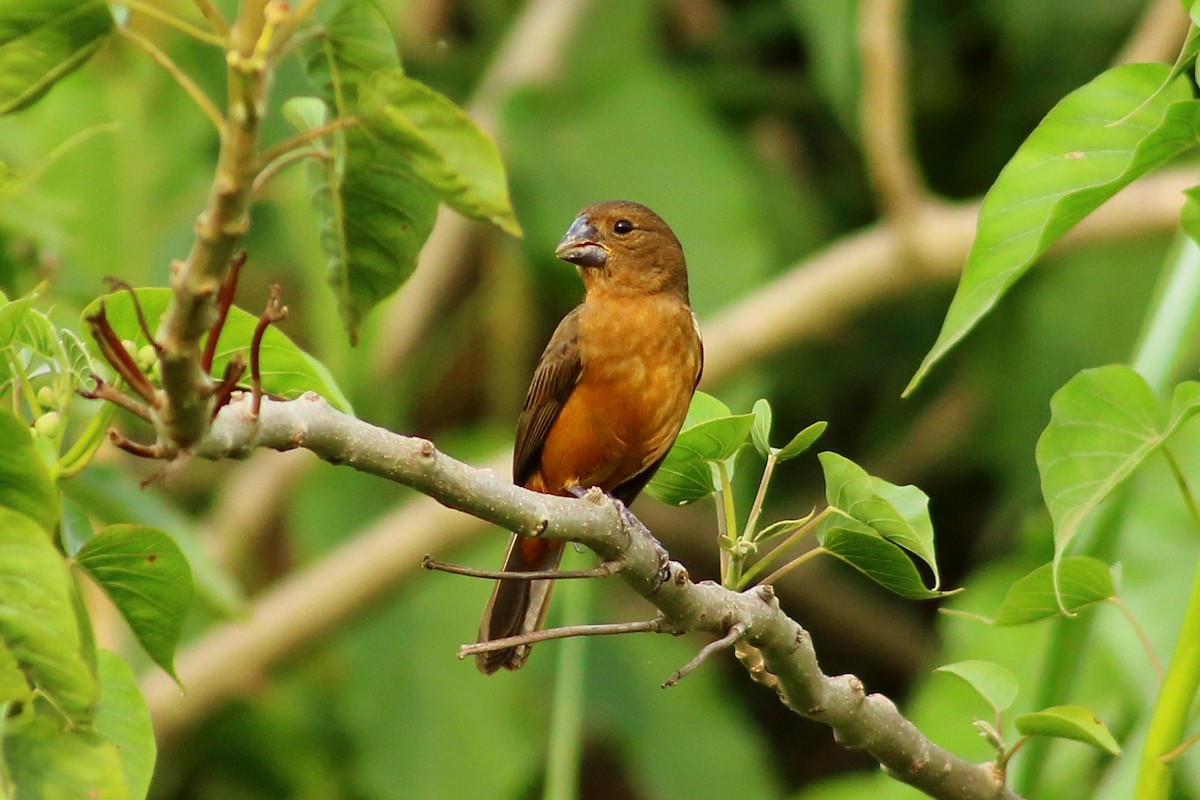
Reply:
x=426, y=450
x=766, y=593
x=725, y=642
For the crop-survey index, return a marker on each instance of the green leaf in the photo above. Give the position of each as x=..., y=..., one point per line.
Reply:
x=716, y=439
x=440, y=144
x=38, y=621
x=25, y=483
x=287, y=371
x=1097, y=140
x=1069, y=722
x=1082, y=582
x=13, y=686
x=783, y=527
x=760, y=434
x=1189, y=217
x=710, y=433
x=1104, y=424
x=43, y=41
x=703, y=408
x=681, y=479
x=373, y=215
x=145, y=574
x=47, y=762
x=123, y=719
x=801, y=441
x=994, y=683
x=900, y=514
x=861, y=547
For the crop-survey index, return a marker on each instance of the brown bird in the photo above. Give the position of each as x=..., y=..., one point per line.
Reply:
x=608, y=396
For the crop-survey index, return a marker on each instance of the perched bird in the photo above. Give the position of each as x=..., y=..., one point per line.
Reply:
x=607, y=398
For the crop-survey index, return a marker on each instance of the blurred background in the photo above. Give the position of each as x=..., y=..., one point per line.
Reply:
x=824, y=191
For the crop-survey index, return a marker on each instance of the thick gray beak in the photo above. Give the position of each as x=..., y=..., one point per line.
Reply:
x=579, y=245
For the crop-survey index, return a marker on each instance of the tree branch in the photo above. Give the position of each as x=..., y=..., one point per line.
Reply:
x=870, y=722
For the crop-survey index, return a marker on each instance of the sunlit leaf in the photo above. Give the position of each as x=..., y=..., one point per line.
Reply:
x=994, y=683
x=861, y=547
x=123, y=719
x=440, y=144
x=38, y=617
x=1097, y=140
x=287, y=371
x=1104, y=423
x=25, y=483
x=49, y=762
x=899, y=514
x=1069, y=722
x=1082, y=582
x=710, y=433
x=373, y=214
x=144, y=573
x=42, y=41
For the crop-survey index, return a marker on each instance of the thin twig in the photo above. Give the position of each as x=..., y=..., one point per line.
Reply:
x=116, y=284
x=304, y=137
x=601, y=570
x=182, y=78
x=656, y=625
x=118, y=357
x=272, y=313
x=1180, y=749
x=225, y=297
x=215, y=20
x=183, y=26
x=724, y=643
x=791, y=565
x=234, y=370
x=129, y=446
x=1155, y=663
x=268, y=172
x=106, y=391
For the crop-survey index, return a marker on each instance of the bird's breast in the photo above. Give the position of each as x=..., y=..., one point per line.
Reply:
x=640, y=360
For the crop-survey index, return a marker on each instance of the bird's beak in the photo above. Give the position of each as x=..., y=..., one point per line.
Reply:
x=580, y=245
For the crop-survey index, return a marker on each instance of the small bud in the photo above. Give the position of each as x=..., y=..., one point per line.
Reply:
x=46, y=397
x=48, y=424
x=146, y=358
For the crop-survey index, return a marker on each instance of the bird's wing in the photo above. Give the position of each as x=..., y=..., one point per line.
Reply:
x=553, y=380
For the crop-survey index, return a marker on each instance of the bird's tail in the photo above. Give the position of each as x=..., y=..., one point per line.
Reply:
x=517, y=606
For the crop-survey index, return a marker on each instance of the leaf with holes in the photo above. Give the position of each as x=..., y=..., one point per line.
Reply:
x=1069, y=722
x=144, y=573
x=287, y=371
x=1097, y=140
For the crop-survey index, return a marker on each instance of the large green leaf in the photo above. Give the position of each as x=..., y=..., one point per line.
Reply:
x=123, y=719
x=1069, y=722
x=1097, y=140
x=287, y=371
x=145, y=574
x=1104, y=423
x=43, y=40
x=38, y=621
x=857, y=544
x=710, y=433
x=374, y=215
x=1082, y=583
x=25, y=483
x=899, y=514
x=48, y=762
x=440, y=144
x=13, y=686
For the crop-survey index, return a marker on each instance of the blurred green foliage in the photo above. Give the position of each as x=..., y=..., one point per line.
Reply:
x=737, y=122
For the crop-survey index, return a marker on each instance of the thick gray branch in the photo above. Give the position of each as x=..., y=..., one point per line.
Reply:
x=788, y=662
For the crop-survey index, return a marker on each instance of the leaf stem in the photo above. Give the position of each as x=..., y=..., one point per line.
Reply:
x=756, y=509
x=1155, y=663
x=304, y=137
x=732, y=576
x=791, y=565
x=182, y=78
x=181, y=25
x=215, y=20
x=775, y=552
x=26, y=389
x=1189, y=499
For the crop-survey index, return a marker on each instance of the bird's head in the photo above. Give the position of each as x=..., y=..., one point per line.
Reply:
x=623, y=248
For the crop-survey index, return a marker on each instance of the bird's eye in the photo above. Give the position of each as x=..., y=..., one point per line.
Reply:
x=622, y=227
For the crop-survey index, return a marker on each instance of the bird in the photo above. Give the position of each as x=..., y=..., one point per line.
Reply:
x=608, y=396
